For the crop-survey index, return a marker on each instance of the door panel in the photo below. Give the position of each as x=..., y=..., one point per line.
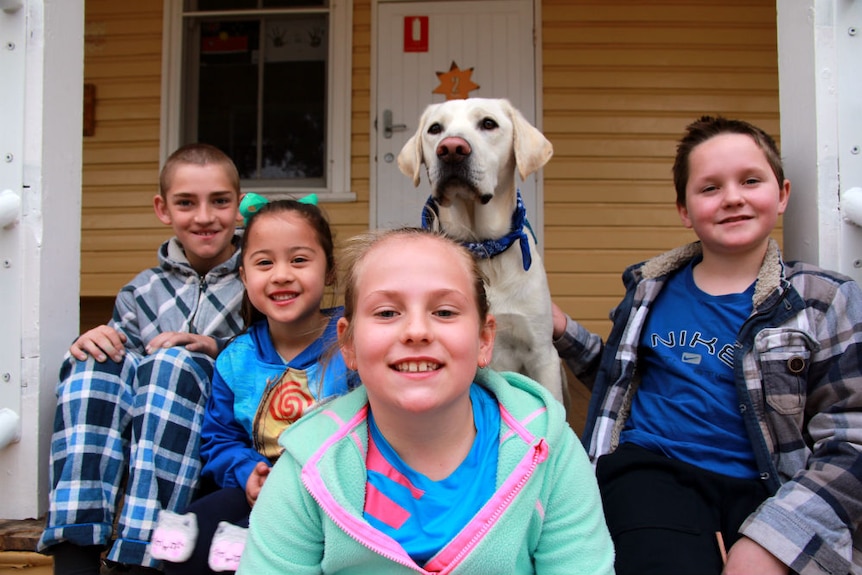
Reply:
x=495, y=39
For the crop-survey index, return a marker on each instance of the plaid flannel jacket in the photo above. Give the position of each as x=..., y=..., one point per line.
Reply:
x=174, y=297
x=798, y=371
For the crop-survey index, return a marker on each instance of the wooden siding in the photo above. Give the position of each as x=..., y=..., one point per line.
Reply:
x=355, y=216
x=622, y=79
x=122, y=57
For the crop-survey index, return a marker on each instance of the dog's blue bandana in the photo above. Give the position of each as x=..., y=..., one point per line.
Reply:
x=487, y=249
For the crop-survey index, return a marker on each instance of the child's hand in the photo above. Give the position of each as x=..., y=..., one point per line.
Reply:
x=100, y=342
x=747, y=557
x=560, y=320
x=255, y=482
x=191, y=341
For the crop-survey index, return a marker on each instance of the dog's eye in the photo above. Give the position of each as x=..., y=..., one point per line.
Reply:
x=489, y=124
x=435, y=128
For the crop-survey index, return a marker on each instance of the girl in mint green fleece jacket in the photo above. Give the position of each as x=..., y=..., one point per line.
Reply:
x=416, y=326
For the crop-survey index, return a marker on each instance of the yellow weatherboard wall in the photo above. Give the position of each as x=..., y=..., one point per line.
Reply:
x=122, y=58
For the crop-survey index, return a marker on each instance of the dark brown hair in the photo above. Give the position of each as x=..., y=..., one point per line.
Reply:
x=707, y=127
x=197, y=155
x=318, y=222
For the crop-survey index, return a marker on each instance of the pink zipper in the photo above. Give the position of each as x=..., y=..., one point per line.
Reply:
x=351, y=525
x=387, y=547
x=351, y=531
x=539, y=454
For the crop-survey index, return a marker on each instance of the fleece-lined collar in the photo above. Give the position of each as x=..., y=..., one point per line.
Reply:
x=769, y=279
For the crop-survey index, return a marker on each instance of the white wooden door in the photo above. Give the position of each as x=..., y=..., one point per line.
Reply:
x=494, y=38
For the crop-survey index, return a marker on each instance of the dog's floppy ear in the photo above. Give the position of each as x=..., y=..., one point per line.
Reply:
x=532, y=148
x=410, y=156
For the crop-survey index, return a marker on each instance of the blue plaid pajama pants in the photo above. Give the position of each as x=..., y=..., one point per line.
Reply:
x=140, y=418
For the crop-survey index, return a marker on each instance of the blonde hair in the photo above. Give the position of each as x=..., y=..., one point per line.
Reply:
x=356, y=248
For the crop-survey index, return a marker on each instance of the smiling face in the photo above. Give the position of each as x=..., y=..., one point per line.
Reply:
x=732, y=197
x=415, y=335
x=202, y=207
x=284, y=270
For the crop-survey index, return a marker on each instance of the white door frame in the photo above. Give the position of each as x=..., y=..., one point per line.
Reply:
x=537, y=219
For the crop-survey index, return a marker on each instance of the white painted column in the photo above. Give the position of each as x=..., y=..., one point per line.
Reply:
x=41, y=63
x=820, y=79
x=12, y=66
x=848, y=35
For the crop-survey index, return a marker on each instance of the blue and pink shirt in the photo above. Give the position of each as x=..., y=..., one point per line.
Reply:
x=421, y=514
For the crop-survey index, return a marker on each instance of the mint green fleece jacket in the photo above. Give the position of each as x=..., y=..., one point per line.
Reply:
x=545, y=516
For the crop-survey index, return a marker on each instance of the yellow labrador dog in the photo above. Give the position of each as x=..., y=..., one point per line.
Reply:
x=472, y=149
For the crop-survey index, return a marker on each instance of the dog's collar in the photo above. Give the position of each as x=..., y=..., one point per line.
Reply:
x=487, y=249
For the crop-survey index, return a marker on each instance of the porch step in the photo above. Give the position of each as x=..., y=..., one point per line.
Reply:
x=20, y=535
x=25, y=563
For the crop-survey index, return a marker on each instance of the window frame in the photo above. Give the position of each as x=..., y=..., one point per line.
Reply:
x=337, y=169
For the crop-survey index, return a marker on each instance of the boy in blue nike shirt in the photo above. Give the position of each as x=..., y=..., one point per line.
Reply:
x=727, y=401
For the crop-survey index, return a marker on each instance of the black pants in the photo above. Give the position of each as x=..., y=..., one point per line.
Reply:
x=663, y=515
x=223, y=505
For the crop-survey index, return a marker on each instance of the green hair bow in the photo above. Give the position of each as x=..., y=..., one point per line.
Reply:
x=252, y=202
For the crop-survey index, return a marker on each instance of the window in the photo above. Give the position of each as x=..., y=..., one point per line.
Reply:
x=267, y=81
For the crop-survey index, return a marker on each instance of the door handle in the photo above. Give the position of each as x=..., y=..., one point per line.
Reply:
x=389, y=127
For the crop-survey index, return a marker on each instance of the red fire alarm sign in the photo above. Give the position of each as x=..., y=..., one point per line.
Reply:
x=416, y=33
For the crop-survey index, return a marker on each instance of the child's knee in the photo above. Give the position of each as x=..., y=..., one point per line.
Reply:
x=185, y=373
x=179, y=358
x=80, y=379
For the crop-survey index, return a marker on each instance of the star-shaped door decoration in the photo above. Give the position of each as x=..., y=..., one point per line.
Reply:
x=456, y=83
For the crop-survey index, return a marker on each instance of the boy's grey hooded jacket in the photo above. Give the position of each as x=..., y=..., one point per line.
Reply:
x=174, y=297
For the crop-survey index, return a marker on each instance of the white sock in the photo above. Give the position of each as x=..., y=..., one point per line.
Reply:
x=174, y=537
x=226, y=549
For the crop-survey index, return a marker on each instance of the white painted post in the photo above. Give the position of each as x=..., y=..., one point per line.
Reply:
x=820, y=78
x=848, y=35
x=41, y=95
x=806, y=70
x=12, y=65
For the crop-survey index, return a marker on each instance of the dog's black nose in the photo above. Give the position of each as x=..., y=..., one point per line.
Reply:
x=453, y=150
